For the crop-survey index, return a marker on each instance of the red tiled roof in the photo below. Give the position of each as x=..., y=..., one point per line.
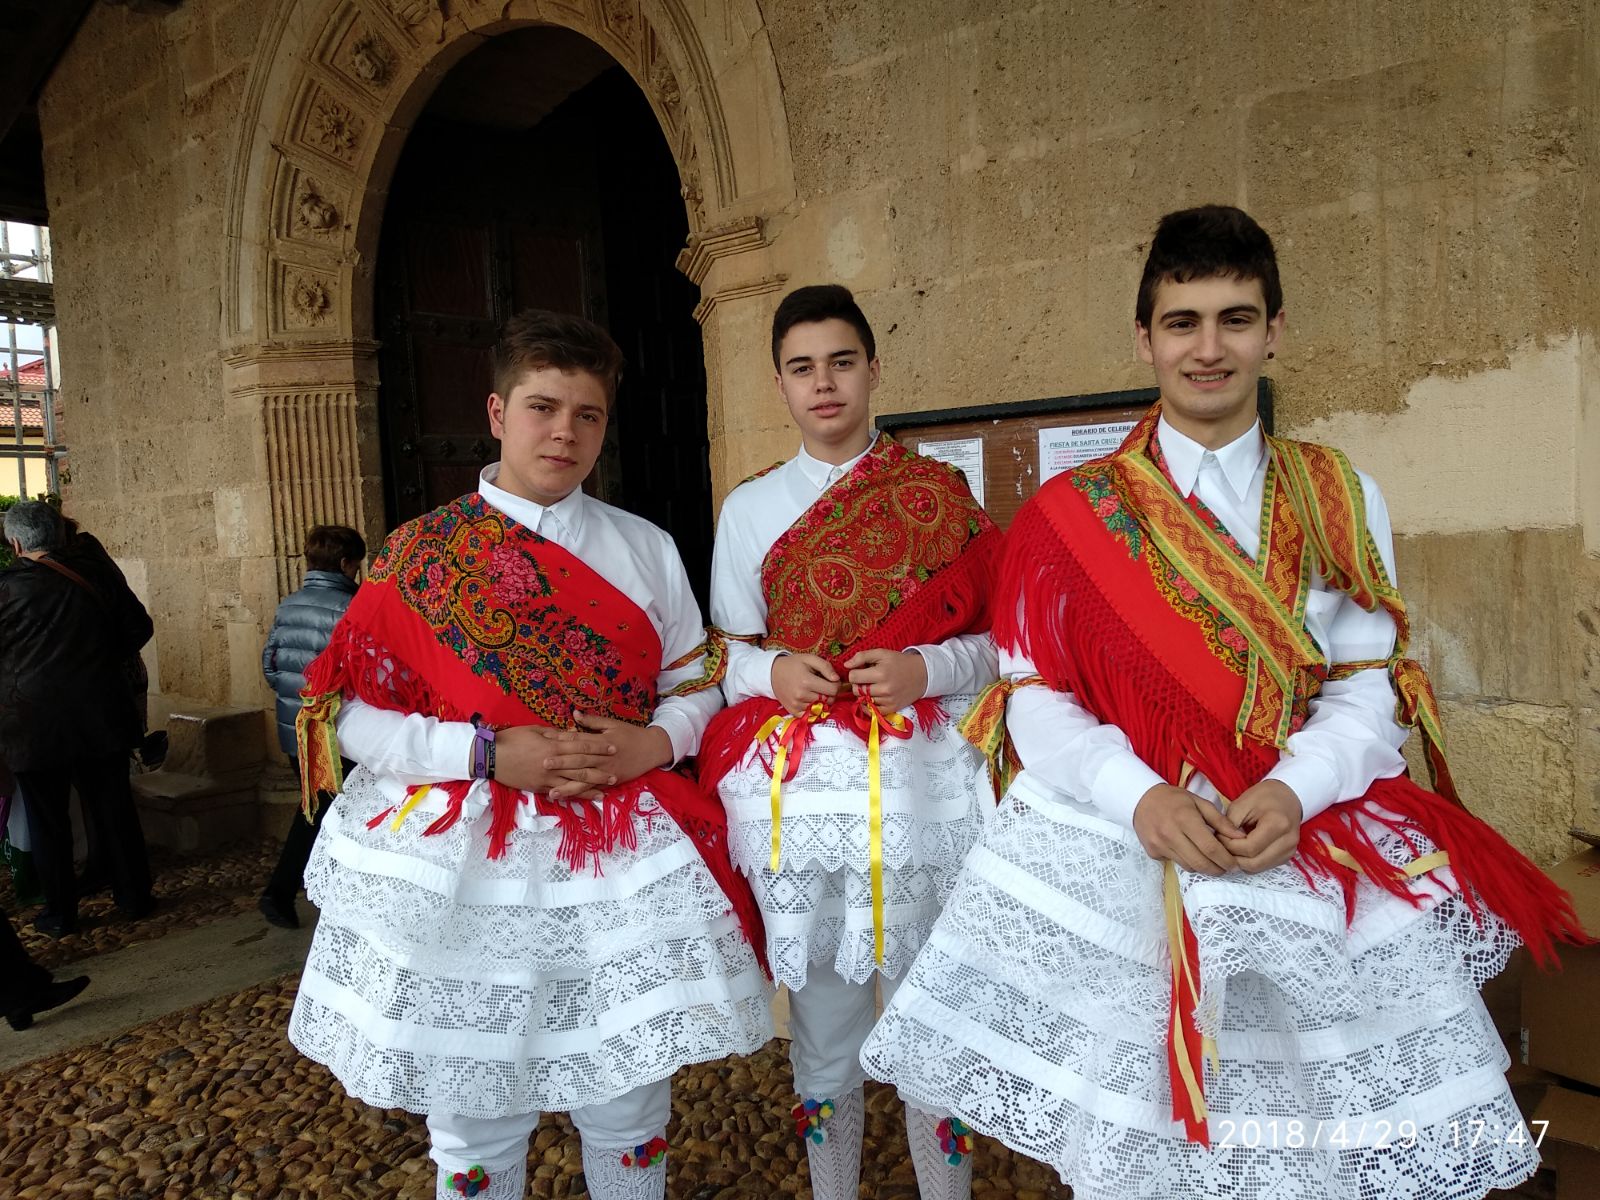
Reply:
x=30, y=375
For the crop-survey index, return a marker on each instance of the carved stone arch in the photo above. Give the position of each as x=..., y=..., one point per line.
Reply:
x=333, y=93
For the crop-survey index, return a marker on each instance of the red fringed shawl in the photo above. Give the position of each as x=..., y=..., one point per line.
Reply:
x=895, y=554
x=466, y=612
x=1141, y=605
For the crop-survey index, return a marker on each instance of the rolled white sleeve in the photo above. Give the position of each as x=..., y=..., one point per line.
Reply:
x=1062, y=745
x=739, y=608
x=405, y=746
x=967, y=662
x=1350, y=737
x=683, y=718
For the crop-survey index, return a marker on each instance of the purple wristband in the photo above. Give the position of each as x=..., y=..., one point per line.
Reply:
x=482, y=749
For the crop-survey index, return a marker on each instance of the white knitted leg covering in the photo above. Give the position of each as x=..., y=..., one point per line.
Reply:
x=627, y=1172
x=508, y=1181
x=836, y=1159
x=934, y=1144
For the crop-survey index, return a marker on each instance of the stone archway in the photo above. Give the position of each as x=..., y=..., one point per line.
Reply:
x=333, y=93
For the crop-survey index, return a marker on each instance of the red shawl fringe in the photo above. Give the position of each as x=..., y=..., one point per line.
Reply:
x=1078, y=642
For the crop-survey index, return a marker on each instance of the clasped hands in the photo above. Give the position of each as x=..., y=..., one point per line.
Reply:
x=1260, y=830
x=570, y=764
x=893, y=678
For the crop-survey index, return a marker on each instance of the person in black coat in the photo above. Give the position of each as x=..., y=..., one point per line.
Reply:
x=300, y=631
x=26, y=988
x=69, y=623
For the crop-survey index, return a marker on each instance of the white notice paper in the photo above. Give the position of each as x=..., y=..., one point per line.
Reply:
x=966, y=455
x=1066, y=446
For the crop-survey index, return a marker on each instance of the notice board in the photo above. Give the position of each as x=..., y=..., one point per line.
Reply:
x=1008, y=450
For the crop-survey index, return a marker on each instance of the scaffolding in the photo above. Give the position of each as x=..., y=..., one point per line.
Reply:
x=30, y=455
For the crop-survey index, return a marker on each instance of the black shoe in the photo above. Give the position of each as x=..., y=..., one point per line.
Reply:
x=54, y=925
x=51, y=995
x=279, y=911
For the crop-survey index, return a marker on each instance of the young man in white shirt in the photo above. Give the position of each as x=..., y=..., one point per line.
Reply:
x=523, y=908
x=1216, y=943
x=852, y=582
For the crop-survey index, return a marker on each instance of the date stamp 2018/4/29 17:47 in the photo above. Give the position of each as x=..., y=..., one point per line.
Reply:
x=1295, y=1134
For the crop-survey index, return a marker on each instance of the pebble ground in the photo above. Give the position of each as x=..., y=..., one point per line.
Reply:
x=213, y=1103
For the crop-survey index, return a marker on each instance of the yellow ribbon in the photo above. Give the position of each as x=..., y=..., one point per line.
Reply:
x=411, y=802
x=1173, y=895
x=780, y=727
x=1417, y=866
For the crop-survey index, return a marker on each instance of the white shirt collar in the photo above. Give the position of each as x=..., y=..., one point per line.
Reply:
x=1239, y=459
x=820, y=473
x=568, y=510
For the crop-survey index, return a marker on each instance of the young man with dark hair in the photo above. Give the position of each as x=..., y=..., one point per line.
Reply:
x=1216, y=942
x=523, y=908
x=300, y=631
x=852, y=582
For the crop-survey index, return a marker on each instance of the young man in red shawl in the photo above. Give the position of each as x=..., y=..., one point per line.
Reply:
x=851, y=581
x=523, y=908
x=1216, y=943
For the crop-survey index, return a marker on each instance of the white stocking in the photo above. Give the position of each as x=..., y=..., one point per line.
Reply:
x=932, y=1148
x=627, y=1172
x=836, y=1159
x=507, y=1182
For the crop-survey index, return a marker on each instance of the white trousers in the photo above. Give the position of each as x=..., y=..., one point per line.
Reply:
x=460, y=1143
x=829, y=1020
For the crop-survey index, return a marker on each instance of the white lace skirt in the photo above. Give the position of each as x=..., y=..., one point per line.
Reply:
x=1356, y=1063
x=818, y=906
x=441, y=981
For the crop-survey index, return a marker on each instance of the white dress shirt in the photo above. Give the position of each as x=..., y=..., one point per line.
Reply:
x=1350, y=737
x=632, y=555
x=754, y=516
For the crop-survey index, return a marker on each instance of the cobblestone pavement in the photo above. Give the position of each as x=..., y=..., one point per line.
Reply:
x=212, y=1103
x=189, y=892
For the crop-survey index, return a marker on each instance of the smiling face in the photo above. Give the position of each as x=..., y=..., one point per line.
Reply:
x=1207, y=340
x=825, y=378
x=551, y=427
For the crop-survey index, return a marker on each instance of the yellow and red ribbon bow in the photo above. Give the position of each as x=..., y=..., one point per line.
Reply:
x=788, y=736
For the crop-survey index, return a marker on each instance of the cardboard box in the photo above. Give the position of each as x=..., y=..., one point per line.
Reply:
x=1570, y=1124
x=1561, y=1009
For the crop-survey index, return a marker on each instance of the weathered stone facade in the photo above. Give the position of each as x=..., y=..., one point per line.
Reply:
x=984, y=175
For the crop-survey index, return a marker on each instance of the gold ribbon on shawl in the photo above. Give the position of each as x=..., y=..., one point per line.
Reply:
x=984, y=726
x=317, y=744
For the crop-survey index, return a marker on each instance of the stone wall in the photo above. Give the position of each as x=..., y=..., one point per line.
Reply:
x=140, y=118
x=985, y=176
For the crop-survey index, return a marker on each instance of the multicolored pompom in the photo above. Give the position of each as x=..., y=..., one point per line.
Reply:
x=647, y=1155
x=471, y=1181
x=808, y=1118
x=955, y=1139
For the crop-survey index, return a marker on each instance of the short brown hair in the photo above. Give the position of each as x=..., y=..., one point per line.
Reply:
x=329, y=547
x=537, y=337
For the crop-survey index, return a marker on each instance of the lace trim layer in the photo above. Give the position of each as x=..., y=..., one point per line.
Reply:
x=1037, y=1013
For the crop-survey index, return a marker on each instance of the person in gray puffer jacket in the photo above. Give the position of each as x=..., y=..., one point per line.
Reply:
x=300, y=632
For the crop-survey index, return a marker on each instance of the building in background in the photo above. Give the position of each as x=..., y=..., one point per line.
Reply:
x=284, y=229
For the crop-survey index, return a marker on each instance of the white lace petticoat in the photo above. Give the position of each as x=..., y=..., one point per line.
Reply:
x=1356, y=1063
x=818, y=906
x=442, y=981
